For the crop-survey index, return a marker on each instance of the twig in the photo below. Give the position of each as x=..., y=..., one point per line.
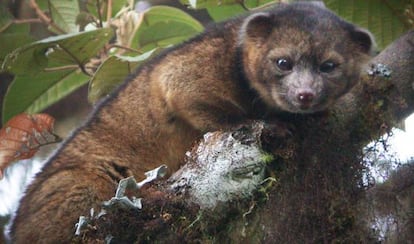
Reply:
x=109, y=12
x=23, y=21
x=98, y=8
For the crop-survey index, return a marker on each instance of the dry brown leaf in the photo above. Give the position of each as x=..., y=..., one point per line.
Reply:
x=23, y=135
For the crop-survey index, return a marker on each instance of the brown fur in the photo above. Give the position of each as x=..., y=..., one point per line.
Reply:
x=216, y=80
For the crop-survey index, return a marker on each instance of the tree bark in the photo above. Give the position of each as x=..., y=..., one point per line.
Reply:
x=310, y=193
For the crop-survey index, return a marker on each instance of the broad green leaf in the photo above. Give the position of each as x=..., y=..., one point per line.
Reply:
x=43, y=5
x=69, y=49
x=17, y=28
x=384, y=19
x=251, y=4
x=47, y=70
x=113, y=72
x=12, y=41
x=220, y=13
x=163, y=26
x=64, y=14
x=33, y=93
x=245, y=5
x=200, y=4
x=222, y=10
x=14, y=37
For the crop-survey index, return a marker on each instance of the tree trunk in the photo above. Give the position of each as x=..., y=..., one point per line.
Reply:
x=316, y=185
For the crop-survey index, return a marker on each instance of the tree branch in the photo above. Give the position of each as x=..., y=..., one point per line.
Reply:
x=317, y=173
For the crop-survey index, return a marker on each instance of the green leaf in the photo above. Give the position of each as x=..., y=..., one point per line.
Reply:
x=13, y=41
x=200, y=4
x=163, y=26
x=113, y=72
x=222, y=10
x=43, y=5
x=47, y=70
x=17, y=28
x=69, y=49
x=14, y=37
x=384, y=19
x=251, y=4
x=33, y=93
x=244, y=4
x=64, y=15
x=220, y=13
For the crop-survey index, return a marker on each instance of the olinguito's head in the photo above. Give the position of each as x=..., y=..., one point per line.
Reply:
x=301, y=58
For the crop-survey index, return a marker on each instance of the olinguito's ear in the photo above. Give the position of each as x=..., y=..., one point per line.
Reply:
x=364, y=39
x=256, y=27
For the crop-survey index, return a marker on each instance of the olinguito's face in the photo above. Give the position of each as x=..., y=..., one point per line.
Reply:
x=303, y=58
x=303, y=73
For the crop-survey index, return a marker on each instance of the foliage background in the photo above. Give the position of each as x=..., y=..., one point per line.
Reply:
x=57, y=47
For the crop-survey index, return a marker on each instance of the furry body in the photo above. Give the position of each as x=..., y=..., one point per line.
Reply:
x=295, y=58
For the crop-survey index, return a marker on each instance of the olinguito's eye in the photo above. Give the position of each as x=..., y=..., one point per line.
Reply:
x=327, y=67
x=284, y=64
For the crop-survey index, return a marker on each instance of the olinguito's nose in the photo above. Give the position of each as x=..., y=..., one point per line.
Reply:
x=305, y=97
